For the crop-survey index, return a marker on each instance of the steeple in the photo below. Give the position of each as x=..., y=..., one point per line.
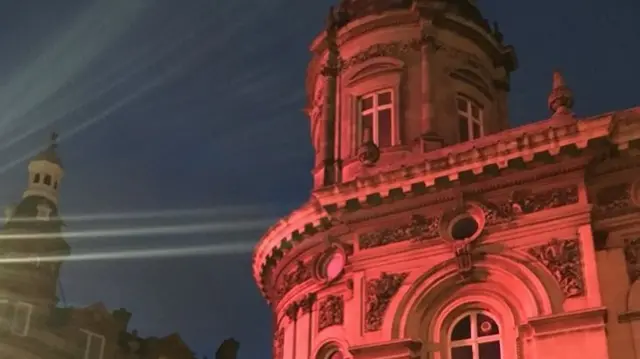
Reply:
x=45, y=173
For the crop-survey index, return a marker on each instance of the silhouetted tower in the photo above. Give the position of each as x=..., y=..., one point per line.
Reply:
x=33, y=248
x=228, y=349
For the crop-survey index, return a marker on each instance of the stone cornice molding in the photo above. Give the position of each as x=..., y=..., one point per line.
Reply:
x=395, y=349
x=570, y=321
x=498, y=151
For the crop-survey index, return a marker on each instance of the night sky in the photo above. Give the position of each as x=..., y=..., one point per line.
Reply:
x=183, y=121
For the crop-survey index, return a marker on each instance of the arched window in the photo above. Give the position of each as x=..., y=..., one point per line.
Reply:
x=36, y=178
x=47, y=180
x=475, y=335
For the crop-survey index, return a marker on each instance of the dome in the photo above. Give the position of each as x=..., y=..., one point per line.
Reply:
x=349, y=10
x=50, y=155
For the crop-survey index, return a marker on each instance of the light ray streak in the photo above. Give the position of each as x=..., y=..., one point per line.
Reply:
x=74, y=103
x=219, y=227
x=108, y=111
x=190, y=251
x=71, y=52
x=171, y=213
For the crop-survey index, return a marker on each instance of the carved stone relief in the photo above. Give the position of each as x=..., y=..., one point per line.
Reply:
x=526, y=202
x=379, y=293
x=563, y=260
x=331, y=312
x=315, y=115
x=398, y=49
x=632, y=257
x=610, y=201
x=419, y=228
x=299, y=275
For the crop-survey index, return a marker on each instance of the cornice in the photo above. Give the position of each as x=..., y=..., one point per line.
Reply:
x=439, y=171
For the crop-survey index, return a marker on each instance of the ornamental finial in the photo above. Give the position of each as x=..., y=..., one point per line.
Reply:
x=561, y=97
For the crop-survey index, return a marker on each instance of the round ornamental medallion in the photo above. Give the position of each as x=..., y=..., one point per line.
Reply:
x=462, y=225
x=334, y=265
x=485, y=327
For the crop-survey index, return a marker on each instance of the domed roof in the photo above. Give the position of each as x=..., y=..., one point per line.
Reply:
x=49, y=154
x=349, y=10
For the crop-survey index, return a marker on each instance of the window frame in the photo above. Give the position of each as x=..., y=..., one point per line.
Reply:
x=474, y=341
x=375, y=110
x=468, y=115
x=25, y=331
x=89, y=335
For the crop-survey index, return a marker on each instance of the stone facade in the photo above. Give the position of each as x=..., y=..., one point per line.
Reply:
x=32, y=323
x=433, y=229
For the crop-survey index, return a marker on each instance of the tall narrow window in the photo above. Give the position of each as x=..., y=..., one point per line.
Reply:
x=21, y=318
x=95, y=346
x=47, y=180
x=475, y=336
x=469, y=119
x=375, y=118
x=36, y=178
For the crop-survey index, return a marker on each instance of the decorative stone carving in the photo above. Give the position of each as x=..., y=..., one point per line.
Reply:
x=300, y=274
x=331, y=312
x=612, y=200
x=292, y=311
x=306, y=303
x=379, y=293
x=562, y=259
x=420, y=228
x=315, y=114
x=632, y=256
x=278, y=344
x=526, y=202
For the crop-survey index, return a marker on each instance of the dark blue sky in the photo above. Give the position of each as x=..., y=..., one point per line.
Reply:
x=166, y=105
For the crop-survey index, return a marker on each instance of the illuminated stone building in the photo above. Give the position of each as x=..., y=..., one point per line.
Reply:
x=434, y=230
x=32, y=325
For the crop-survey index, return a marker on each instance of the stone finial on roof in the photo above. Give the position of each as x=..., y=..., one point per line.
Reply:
x=561, y=97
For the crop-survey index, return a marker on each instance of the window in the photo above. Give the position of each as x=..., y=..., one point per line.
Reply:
x=47, y=180
x=36, y=178
x=94, y=345
x=475, y=336
x=469, y=119
x=21, y=319
x=44, y=212
x=375, y=118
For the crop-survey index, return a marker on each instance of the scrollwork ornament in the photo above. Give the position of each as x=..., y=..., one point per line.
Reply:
x=331, y=312
x=563, y=260
x=379, y=293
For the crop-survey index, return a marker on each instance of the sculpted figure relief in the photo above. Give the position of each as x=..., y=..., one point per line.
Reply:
x=316, y=113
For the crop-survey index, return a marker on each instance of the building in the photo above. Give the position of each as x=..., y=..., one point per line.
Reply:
x=434, y=230
x=32, y=323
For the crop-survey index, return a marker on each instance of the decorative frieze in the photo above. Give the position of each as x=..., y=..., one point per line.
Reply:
x=331, y=312
x=613, y=200
x=299, y=275
x=379, y=293
x=526, y=202
x=632, y=257
x=420, y=228
x=278, y=344
x=562, y=259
